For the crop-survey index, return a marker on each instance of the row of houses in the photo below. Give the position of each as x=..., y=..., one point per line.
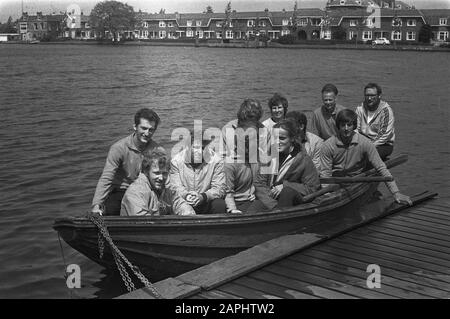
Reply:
x=355, y=20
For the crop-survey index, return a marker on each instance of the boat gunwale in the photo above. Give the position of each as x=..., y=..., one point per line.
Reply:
x=304, y=210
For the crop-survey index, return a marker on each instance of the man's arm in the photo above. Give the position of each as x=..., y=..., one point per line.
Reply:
x=113, y=162
x=135, y=203
x=326, y=161
x=175, y=179
x=316, y=154
x=378, y=164
x=314, y=127
x=217, y=189
x=180, y=206
x=262, y=191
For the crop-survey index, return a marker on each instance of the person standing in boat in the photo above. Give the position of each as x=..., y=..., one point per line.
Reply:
x=278, y=106
x=197, y=174
x=148, y=194
x=323, y=122
x=123, y=163
x=311, y=142
x=295, y=176
x=241, y=169
x=376, y=120
x=350, y=153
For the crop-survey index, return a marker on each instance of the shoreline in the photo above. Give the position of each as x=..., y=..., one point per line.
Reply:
x=251, y=45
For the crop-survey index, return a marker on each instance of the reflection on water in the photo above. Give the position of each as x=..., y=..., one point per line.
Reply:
x=63, y=106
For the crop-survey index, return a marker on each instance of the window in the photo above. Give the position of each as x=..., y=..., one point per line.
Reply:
x=396, y=22
x=219, y=34
x=411, y=23
x=342, y=2
x=351, y=35
x=170, y=24
x=262, y=23
x=443, y=35
x=250, y=23
x=327, y=35
x=303, y=21
x=285, y=22
x=369, y=22
x=219, y=24
x=172, y=35
x=315, y=21
x=23, y=26
x=162, y=34
x=162, y=24
x=198, y=23
x=145, y=24
x=207, y=35
x=443, y=21
x=189, y=23
x=285, y=32
x=353, y=23
x=145, y=34
x=249, y=33
x=230, y=24
x=199, y=34
x=189, y=33
x=411, y=36
x=229, y=34
x=367, y=35
x=396, y=35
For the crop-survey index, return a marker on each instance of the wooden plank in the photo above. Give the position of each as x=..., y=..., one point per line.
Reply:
x=169, y=288
x=385, y=260
x=232, y=267
x=422, y=233
x=394, y=248
x=427, y=218
x=349, y=284
x=406, y=273
x=415, y=225
x=411, y=235
x=445, y=209
x=215, y=294
x=270, y=288
x=389, y=285
x=392, y=256
x=433, y=210
x=416, y=244
x=308, y=287
x=245, y=292
x=430, y=225
x=440, y=202
x=426, y=213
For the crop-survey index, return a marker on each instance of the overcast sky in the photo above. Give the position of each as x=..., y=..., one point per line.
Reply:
x=13, y=7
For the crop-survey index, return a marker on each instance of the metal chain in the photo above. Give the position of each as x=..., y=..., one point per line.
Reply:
x=119, y=257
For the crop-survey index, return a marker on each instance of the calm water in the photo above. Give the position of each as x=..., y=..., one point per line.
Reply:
x=62, y=106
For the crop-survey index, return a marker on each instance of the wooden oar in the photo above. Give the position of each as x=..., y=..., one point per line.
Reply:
x=348, y=179
x=333, y=187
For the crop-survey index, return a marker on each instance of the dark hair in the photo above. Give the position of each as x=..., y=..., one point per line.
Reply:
x=250, y=110
x=298, y=117
x=290, y=126
x=373, y=86
x=147, y=114
x=346, y=116
x=278, y=99
x=330, y=88
x=155, y=156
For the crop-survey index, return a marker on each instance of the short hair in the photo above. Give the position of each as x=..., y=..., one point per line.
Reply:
x=250, y=110
x=290, y=126
x=147, y=114
x=278, y=99
x=298, y=117
x=330, y=88
x=346, y=116
x=154, y=156
x=372, y=85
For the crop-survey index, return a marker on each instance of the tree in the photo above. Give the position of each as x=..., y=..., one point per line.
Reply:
x=294, y=18
x=8, y=27
x=162, y=11
x=425, y=34
x=339, y=33
x=112, y=16
x=227, y=21
x=208, y=9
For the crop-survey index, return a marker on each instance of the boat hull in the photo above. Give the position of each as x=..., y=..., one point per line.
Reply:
x=163, y=246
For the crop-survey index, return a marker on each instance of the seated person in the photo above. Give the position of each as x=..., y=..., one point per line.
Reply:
x=148, y=194
x=240, y=171
x=349, y=154
x=311, y=142
x=293, y=175
x=197, y=174
x=278, y=106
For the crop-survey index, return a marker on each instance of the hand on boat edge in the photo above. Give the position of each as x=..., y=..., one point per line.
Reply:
x=402, y=199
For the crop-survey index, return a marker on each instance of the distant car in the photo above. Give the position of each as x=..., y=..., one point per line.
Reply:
x=382, y=41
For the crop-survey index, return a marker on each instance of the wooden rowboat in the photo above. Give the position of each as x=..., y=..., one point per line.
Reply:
x=163, y=246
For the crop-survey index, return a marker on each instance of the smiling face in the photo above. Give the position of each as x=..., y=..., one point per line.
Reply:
x=157, y=176
x=329, y=101
x=284, y=141
x=371, y=98
x=346, y=131
x=144, y=131
x=277, y=112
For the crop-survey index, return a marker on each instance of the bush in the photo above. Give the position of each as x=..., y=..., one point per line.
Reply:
x=287, y=39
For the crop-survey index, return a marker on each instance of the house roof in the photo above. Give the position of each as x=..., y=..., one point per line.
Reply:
x=432, y=16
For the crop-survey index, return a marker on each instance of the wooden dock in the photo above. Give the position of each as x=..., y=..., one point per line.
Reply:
x=409, y=245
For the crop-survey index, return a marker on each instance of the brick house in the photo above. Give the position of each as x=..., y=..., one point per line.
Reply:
x=439, y=20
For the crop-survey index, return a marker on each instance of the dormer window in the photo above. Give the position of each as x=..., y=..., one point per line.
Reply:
x=285, y=22
x=162, y=24
x=342, y=2
x=396, y=22
x=250, y=23
x=189, y=23
x=411, y=23
x=443, y=21
x=198, y=23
